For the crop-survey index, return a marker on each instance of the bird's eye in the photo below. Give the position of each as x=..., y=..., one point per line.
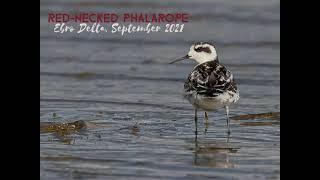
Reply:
x=197, y=49
x=203, y=49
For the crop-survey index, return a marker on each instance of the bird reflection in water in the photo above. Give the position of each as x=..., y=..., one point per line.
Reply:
x=213, y=154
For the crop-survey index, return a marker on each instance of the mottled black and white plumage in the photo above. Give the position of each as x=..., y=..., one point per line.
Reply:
x=210, y=85
x=210, y=79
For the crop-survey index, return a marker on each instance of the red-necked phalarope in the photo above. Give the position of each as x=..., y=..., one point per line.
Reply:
x=210, y=86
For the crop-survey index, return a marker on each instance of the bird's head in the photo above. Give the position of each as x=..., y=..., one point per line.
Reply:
x=200, y=52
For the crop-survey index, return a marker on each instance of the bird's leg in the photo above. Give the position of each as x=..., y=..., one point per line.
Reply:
x=228, y=138
x=196, y=121
x=228, y=120
x=206, y=123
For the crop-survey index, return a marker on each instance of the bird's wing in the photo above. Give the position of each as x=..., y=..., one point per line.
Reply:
x=210, y=79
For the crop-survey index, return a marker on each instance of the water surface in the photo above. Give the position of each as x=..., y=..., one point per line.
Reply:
x=125, y=86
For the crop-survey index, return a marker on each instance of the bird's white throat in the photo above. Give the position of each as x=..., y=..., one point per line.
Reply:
x=201, y=60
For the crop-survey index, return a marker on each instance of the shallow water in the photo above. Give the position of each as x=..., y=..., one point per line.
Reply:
x=145, y=128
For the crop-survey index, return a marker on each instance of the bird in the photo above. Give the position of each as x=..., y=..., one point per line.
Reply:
x=210, y=86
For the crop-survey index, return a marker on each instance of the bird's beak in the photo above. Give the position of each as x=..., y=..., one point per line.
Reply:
x=180, y=59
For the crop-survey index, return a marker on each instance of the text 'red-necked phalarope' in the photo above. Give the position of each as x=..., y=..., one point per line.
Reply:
x=210, y=86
